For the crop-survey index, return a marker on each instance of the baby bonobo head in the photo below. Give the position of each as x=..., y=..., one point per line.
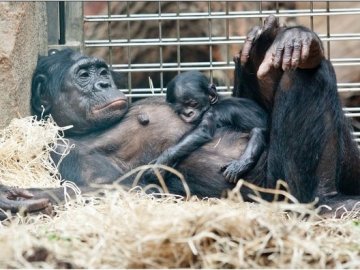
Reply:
x=191, y=95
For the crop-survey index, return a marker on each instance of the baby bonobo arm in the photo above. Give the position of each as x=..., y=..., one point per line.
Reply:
x=197, y=137
x=246, y=116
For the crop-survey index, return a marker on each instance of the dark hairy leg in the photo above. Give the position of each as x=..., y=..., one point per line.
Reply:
x=305, y=129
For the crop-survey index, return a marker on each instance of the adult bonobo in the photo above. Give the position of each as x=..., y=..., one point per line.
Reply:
x=110, y=141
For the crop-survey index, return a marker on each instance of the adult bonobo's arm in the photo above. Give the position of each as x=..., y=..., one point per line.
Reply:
x=16, y=199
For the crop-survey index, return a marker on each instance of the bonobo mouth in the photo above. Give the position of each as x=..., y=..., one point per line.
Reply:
x=117, y=104
x=189, y=118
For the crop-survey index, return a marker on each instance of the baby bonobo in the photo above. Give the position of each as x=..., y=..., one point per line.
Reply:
x=196, y=101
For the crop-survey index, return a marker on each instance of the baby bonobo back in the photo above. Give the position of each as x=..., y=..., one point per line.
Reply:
x=196, y=101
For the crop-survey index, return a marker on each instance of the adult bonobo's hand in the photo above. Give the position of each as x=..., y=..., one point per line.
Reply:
x=293, y=47
x=16, y=199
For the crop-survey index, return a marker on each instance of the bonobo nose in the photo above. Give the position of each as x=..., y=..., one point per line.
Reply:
x=189, y=114
x=102, y=85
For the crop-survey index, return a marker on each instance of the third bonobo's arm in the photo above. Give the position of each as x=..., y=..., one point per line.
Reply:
x=293, y=47
x=267, y=53
x=202, y=134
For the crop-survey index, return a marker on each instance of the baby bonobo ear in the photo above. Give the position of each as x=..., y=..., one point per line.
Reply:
x=213, y=96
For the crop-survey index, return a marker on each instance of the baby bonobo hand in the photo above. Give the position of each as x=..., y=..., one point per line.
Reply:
x=237, y=168
x=255, y=147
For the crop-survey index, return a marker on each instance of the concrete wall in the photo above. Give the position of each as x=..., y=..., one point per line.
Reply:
x=23, y=36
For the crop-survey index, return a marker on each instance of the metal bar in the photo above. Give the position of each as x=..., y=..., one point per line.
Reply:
x=227, y=30
x=178, y=56
x=62, y=26
x=161, y=51
x=223, y=15
x=312, y=16
x=197, y=41
x=109, y=33
x=328, y=29
x=129, y=48
x=210, y=45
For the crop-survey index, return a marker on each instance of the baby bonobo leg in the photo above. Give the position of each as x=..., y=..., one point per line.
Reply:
x=255, y=147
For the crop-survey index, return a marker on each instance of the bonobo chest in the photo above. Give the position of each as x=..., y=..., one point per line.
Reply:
x=146, y=131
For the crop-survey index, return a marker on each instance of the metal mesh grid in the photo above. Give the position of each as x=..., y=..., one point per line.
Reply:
x=157, y=40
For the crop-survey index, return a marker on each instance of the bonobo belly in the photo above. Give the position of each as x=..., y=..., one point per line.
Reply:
x=145, y=142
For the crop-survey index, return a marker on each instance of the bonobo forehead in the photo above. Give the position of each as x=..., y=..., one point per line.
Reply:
x=188, y=90
x=191, y=86
x=82, y=61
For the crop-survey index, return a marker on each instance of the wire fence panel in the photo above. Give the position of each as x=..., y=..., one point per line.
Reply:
x=152, y=41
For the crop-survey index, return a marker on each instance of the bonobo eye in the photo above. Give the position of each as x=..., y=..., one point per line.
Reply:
x=104, y=72
x=84, y=74
x=193, y=103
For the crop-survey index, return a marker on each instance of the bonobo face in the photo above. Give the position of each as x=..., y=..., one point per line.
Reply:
x=190, y=95
x=86, y=95
x=189, y=104
x=88, y=91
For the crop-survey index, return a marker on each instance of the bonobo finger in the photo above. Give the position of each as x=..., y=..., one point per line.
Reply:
x=250, y=38
x=288, y=51
x=305, y=49
x=26, y=205
x=266, y=64
x=295, y=59
x=14, y=193
x=278, y=50
x=228, y=175
x=271, y=26
x=36, y=205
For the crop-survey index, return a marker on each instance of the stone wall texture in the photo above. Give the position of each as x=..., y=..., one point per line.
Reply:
x=23, y=36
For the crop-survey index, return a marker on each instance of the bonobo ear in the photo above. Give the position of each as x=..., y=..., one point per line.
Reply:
x=119, y=79
x=40, y=101
x=213, y=95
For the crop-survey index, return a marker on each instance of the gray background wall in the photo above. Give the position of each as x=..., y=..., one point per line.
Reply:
x=23, y=36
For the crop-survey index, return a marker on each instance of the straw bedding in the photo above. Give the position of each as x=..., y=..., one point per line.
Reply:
x=134, y=230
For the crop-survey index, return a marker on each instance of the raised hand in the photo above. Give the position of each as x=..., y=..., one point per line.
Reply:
x=289, y=48
x=293, y=48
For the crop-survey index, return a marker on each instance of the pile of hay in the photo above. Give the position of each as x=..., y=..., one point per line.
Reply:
x=25, y=147
x=135, y=230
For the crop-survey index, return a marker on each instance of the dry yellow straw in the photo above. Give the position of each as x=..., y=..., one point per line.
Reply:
x=25, y=147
